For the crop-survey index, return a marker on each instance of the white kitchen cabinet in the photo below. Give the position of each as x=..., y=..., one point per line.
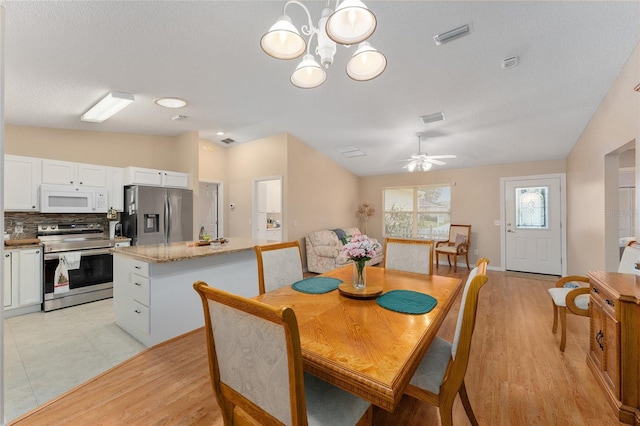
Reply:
x=21, y=183
x=155, y=177
x=7, y=281
x=175, y=179
x=115, y=186
x=70, y=173
x=30, y=281
x=25, y=279
x=274, y=234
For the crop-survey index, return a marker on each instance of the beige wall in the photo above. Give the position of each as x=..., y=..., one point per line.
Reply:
x=321, y=194
x=475, y=199
x=615, y=123
x=261, y=158
x=106, y=149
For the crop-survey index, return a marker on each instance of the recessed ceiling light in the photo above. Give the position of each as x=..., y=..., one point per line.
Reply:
x=219, y=133
x=171, y=102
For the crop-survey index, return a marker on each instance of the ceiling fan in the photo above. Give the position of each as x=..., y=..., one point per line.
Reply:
x=421, y=162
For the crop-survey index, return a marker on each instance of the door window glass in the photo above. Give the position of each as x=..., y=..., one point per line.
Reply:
x=532, y=207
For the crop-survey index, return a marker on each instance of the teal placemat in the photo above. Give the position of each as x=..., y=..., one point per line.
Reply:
x=316, y=285
x=407, y=302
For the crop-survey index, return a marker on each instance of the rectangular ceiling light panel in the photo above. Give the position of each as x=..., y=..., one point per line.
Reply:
x=107, y=107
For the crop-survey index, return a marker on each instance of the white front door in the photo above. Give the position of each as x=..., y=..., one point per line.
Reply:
x=533, y=224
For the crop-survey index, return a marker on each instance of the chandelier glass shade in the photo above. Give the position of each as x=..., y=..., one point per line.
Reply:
x=366, y=64
x=351, y=22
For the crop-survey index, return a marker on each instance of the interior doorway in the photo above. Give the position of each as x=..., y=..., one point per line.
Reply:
x=620, y=202
x=267, y=208
x=210, y=201
x=533, y=214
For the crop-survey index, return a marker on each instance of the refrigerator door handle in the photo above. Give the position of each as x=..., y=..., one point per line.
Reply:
x=167, y=219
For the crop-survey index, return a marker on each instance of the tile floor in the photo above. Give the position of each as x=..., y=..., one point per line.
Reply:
x=47, y=354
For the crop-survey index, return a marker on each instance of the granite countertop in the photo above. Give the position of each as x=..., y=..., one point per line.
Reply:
x=174, y=252
x=22, y=246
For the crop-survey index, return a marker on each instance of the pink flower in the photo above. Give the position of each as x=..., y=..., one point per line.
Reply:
x=360, y=247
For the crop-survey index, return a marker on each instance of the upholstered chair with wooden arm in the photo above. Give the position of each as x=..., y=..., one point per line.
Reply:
x=440, y=375
x=409, y=255
x=456, y=245
x=571, y=294
x=255, y=363
x=279, y=265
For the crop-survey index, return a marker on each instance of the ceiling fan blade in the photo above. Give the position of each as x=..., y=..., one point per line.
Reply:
x=436, y=162
x=442, y=156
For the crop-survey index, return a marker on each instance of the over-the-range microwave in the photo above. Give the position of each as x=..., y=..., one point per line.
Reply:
x=73, y=199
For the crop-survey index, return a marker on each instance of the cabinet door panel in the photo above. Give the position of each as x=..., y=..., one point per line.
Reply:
x=21, y=182
x=611, y=365
x=58, y=172
x=92, y=175
x=30, y=276
x=6, y=280
x=596, y=339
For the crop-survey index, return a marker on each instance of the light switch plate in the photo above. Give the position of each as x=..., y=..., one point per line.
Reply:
x=496, y=222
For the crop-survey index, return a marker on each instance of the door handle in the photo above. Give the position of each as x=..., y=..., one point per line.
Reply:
x=509, y=230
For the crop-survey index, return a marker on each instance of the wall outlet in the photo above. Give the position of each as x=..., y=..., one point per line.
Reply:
x=475, y=251
x=496, y=222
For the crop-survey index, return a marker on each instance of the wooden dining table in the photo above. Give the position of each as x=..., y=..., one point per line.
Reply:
x=359, y=346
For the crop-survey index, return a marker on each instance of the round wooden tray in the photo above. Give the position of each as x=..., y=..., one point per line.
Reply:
x=369, y=292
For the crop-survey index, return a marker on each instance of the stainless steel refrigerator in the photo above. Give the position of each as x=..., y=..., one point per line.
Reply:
x=155, y=215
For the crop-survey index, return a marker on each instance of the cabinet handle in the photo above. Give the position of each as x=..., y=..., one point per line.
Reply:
x=138, y=267
x=595, y=290
x=138, y=284
x=6, y=255
x=33, y=207
x=599, y=338
x=137, y=311
x=71, y=182
x=37, y=251
x=80, y=183
x=610, y=303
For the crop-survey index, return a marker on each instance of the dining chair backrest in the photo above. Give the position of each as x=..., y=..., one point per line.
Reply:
x=279, y=265
x=255, y=359
x=467, y=315
x=629, y=258
x=462, y=230
x=409, y=255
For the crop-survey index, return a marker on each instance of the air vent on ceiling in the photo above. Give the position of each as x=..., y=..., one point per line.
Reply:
x=227, y=141
x=178, y=117
x=511, y=62
x=452, y=35
x=432, y=118
x=351, y=151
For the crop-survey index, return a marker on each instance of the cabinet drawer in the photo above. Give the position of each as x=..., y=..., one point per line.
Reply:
x=139, y=288
x=607, y=301
x=140, y=268
x=139, y=315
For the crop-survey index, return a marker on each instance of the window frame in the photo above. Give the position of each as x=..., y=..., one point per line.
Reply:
x=416, y=211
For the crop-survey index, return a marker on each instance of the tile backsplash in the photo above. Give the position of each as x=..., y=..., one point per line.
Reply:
x=31, y=220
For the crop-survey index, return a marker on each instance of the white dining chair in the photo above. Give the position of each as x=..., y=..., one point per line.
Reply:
x=255, y=364
x=279, y=265
x=410, y=255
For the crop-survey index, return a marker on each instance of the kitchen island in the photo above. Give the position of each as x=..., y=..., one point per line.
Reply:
x=153, y=295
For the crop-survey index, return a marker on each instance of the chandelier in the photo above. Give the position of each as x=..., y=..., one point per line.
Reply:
x=351, y=23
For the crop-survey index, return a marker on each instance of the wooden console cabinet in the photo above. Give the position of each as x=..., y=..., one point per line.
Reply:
x=614, y=340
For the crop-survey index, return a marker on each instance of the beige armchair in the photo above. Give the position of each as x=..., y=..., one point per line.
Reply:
x=456, y=245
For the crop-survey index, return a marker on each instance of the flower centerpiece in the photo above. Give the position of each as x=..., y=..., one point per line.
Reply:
x=359, y=249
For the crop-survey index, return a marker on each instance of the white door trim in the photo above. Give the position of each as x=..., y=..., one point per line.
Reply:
x=563, y=215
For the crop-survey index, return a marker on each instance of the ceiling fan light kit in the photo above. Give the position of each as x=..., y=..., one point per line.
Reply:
x=422, y=162
x=351, y=23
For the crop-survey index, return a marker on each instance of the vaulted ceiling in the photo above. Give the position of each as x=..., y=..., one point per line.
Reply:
x=61, y=57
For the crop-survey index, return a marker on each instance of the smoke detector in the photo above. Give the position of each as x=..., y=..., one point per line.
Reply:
x=511, y=62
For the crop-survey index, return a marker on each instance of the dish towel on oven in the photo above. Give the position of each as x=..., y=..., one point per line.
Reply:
x=71, y=259
x=61, y=277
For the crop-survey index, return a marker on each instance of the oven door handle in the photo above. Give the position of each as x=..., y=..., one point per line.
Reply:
x=83, y=253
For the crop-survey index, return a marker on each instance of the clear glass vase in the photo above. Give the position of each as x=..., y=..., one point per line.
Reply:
x=359, y=274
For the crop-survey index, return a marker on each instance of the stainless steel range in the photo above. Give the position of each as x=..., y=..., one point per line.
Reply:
x=92, y=279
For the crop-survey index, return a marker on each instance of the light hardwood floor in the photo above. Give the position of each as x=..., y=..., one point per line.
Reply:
x=517, y=374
